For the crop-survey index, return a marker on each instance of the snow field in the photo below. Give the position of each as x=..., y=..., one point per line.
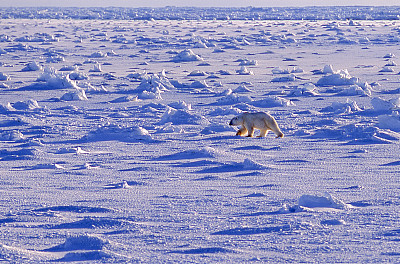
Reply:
x=115, y=144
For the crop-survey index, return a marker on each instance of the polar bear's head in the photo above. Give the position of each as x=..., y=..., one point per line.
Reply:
x=236, y=121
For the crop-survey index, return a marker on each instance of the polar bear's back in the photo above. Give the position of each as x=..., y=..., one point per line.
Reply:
x=259, y=116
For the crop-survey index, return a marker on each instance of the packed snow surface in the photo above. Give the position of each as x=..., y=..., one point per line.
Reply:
x=115, y=144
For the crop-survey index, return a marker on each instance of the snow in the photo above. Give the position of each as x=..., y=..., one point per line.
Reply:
x=115, y=144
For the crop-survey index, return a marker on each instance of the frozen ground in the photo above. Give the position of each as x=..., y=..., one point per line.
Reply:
x=115, y=144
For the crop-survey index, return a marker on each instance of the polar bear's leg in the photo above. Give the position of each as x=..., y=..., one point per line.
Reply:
x=242, y=131
x=263, y=133
x=272, y=125
x=251, y=131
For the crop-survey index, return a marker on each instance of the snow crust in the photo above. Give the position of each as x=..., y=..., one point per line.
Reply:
x=115, y=143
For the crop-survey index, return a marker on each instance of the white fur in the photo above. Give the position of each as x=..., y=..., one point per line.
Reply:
x=259, y=120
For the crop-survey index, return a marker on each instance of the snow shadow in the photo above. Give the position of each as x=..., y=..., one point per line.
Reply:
x=246, y=165
x=206, y=250
x=91, y=223
x=75, y=209
x=255, y=230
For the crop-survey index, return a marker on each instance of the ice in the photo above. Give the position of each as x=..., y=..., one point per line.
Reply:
x=98, y=54
x=96, y=68
x=244, y=71
x=154, y=83
x=233, y=98
x=343, y=108
x=182, y=116
x=307, y=89
x=54, y=80
x=288, y=78
x=4, y=77
x=197, y=73
x=391, y=122
x=242, y=89
x=32, y=66
x=340, y=78
x=26, y=105
x=325, y=201
x=115, y=144
x=77, y=95
x=186, y=55
x=117, y=132
x=380, y=104
x=273, y=101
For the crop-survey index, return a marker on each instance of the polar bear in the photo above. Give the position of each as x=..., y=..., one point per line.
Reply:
x=259, y=120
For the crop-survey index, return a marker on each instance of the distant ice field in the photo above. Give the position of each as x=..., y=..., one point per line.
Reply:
x=115, y=144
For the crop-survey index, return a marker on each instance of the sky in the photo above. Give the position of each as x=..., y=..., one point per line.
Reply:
x=199, y=3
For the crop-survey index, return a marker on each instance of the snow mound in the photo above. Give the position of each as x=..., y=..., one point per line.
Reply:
x=199, y=84
x=69, y=68
x=26, y=105
x=154, y=83
x=248, y=164
x=4, y=85
x=275, y=101
x=307, y=89
x=96, y=68
x=242, y=89
x=169, y=128
x=308, y=203
x=206, y=152
x=233, y=99
x=387, y=69
x=14, y=135
x=225, y=111
x=391, y=63
x=289, y=78
x=186, y=55
x=92, y=89
x=98, y=54
x=77, y=95
x=75, y=75
x=55, y=80
x=197, y=73
x=125, y=99
x=182, y=117
x=339, y=78
x=217, y=128
x=389, y=56
x=244, y=71
x=80, y=242
x=120, y=133
x=4, y=77
x=6, y=108
x=247, y=62
x=32, y=66
x=343, y=108
x=279, y=70
x=356, y=89
x=357, y=134
x=297, y=70
x=137, y=75
x=391, y=122
x=150, y=95
x=326, y=201
x=181, y=105
x=385, y=105
x=328, y=69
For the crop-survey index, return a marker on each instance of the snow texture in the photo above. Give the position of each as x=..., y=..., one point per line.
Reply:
x=115, y=144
